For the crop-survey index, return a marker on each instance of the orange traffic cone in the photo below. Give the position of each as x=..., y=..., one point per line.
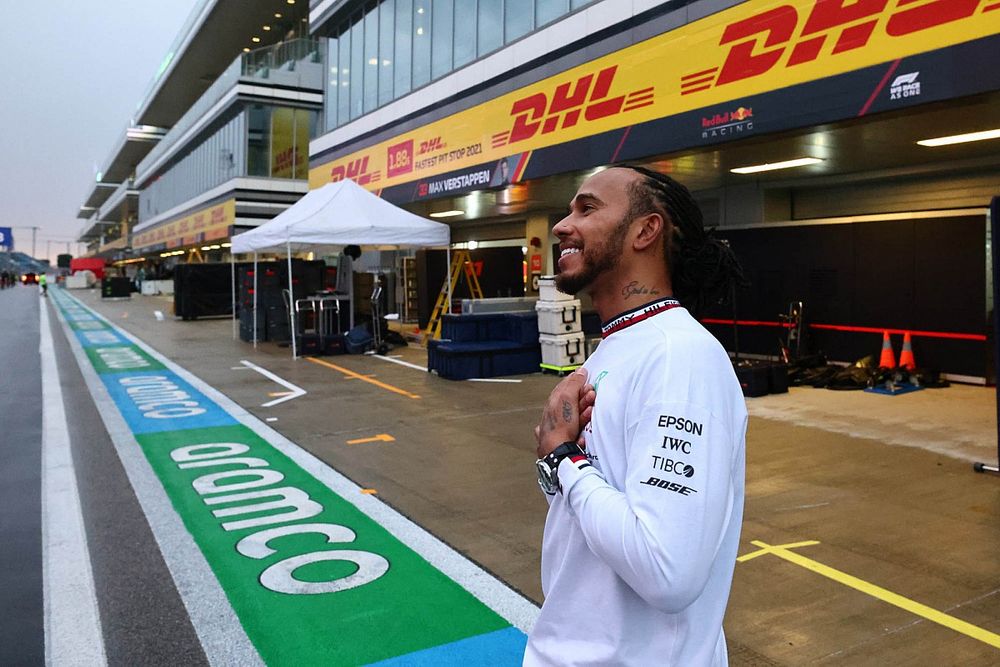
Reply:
x=888, y=359
x=906, y=359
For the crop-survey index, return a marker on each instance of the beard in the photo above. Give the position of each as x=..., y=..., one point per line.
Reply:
x=597, y=259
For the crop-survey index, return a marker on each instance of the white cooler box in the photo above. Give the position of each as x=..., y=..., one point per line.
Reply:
x=564, y=352
x=547, y=290
x=559, y=317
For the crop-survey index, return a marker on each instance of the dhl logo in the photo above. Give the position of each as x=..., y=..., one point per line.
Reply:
x=431, y=145
x=283, y=160
x=356, y=170
x=760, y=42
x=587, y=96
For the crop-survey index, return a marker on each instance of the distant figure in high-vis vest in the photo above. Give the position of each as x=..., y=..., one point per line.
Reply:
x=44, y=284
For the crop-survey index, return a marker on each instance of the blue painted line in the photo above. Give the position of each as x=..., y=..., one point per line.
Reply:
x=157, y=401
x=497, y=649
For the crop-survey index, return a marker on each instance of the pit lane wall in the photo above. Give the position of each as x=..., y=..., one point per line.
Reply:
x=756, y=68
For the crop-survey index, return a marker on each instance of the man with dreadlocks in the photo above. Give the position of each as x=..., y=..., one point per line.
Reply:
x=641, y=452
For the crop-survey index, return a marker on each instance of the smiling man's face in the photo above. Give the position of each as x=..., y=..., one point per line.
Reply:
x=591, y=237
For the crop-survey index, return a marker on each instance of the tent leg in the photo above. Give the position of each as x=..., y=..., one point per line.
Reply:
x=350, y=297
x=291, y=298
x=255, y=301
x=232, y=264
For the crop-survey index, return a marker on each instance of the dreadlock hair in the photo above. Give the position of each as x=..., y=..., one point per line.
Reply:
x=703, y=270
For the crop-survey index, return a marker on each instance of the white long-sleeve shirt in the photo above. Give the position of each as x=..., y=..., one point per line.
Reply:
x=639, y=548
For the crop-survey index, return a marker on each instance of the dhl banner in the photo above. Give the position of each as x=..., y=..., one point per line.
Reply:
x=749, y=49
x=289, y=142
x=118, y=244
x=208, y=224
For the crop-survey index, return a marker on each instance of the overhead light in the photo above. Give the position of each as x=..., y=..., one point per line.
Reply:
x=246, y=49
x=373, y=61
x=266, y=28
x=447, y=214
x=472, y=245
x=962, y=138
x=787, y=164
x=277, y=15
x=214, y=246
x=227, y=245
x=255, y=39
x=291, y=2
x=206, y=247
x=420, y=31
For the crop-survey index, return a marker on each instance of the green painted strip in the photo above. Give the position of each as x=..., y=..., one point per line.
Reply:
x=412, y=606
x=120, y=359
x=85, y=325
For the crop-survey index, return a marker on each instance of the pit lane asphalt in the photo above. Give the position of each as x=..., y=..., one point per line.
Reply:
x=21, y=631
x=142, y=618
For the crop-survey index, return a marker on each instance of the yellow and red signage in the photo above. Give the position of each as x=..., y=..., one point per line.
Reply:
x=749, y=49
x=208, y=224
x=289, y=143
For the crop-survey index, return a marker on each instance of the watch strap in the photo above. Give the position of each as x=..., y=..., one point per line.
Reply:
x=566, y=449
x=569, y=450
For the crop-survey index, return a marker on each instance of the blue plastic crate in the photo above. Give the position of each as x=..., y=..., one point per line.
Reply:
x=521, y=328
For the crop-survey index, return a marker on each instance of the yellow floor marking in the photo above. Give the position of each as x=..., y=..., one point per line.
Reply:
x=369, y=492
x=359, y=376
x=381, y=437
x=272, y=394
x=783, y=551
x=771, y=549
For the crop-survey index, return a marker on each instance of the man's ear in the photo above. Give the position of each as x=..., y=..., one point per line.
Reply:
x=650, y=230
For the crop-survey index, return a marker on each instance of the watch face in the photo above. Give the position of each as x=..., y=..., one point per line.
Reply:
x=546, y=477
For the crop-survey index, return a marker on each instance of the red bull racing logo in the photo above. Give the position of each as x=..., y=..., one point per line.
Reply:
x=727, y=123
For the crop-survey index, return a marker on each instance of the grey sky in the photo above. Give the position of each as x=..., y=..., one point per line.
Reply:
x=72, y=77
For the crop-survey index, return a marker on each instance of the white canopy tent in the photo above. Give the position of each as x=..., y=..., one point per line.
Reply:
x=336, y=215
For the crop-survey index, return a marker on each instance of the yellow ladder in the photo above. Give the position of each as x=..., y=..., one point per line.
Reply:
x=460, y=263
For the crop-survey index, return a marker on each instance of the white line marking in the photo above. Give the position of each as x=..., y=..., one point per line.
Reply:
x=222, y=636
x=271, y=419
x=295, y=393
x=495, y=594
x=511, y=380
x=801, y=507
x=400, y=362
x=73, y=633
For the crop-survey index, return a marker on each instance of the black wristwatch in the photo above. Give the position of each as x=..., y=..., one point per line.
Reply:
x=548, y=466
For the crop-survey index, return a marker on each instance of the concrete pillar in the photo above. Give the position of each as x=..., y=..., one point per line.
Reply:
x=539, y=256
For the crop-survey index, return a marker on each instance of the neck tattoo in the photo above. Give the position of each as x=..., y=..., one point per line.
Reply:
x=635, y=289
